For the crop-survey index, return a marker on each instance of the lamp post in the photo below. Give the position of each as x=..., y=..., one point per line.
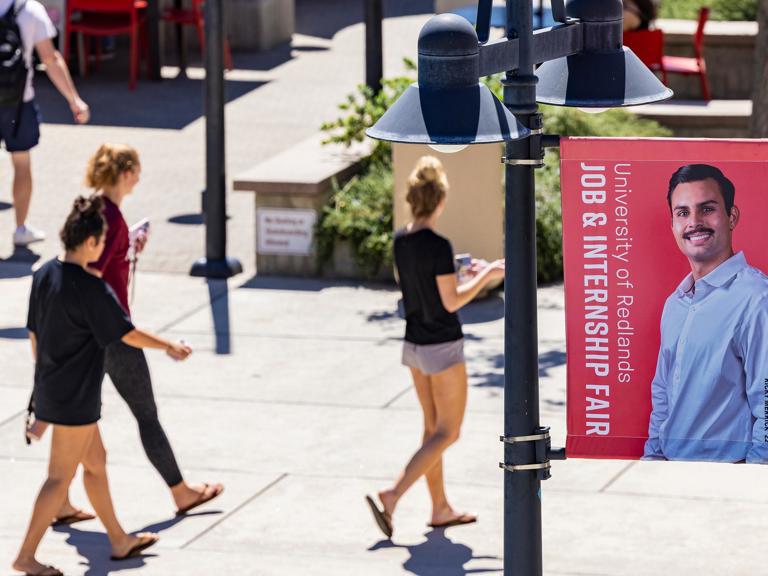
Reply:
x=374, y=57
x=215, y=264
x=583, y=64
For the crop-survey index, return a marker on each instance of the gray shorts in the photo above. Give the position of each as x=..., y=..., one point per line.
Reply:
x=433, y=358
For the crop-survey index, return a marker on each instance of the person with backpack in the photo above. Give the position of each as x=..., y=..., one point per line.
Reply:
x=24, y=27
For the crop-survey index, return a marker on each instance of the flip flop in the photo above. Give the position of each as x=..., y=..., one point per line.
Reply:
x=76, y=516
x=205, y=496
x=458, y=521
x=145, y=541
x=383, y=518
x=56, y=572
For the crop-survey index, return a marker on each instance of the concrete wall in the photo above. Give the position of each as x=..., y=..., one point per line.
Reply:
x=474, y=217
x=250, y=25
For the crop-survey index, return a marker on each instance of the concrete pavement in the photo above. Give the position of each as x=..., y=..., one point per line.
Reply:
x=310, y=410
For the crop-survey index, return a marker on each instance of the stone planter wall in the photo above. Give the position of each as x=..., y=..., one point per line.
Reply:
x=250, y=25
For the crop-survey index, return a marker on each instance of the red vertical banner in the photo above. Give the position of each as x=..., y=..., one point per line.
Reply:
x=622, y=262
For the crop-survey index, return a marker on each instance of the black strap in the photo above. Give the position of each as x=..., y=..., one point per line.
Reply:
x=14, y=10
x=18, y=6
x=28, y=419
x=19, y=110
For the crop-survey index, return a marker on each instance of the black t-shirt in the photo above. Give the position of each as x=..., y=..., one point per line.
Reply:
x=74, y=315
x=419, y=257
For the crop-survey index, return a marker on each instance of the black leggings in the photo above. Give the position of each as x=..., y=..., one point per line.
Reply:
x=128, y=369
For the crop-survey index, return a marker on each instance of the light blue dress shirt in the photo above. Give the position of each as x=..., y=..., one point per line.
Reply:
x=710, y=391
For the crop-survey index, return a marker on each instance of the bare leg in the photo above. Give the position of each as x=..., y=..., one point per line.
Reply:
x=434, y=475
x=449, y=394
x=97, y=487
x=67, y=448
x=22, y=185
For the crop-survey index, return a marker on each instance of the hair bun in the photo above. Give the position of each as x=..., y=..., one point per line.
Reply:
x=427, y=173
x=88, y=206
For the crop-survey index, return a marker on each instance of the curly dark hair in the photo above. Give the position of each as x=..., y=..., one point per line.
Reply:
x=85, y=220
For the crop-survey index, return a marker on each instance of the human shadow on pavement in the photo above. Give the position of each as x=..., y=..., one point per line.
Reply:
x=170, y=104
x=438, y=555
x=94, y=546
x=218, y=292
x=493, y=375
x=18, y=264
x=488, y=309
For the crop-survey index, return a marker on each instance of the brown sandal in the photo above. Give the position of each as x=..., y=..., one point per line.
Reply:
x=75, y=517
x=382, y=517
x=205, y=496
x=145, y=541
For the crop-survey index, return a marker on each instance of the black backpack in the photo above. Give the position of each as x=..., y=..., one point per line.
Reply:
x=13, y=68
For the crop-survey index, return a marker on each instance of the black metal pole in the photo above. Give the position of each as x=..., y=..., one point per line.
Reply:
x=153, y=37
x=540, y=14
x=522, y=496
x=181, y=45
x=215, y=264
x=374, y=53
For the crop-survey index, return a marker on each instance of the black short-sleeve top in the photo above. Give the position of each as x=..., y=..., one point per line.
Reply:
x=74, y=316
x=420, y=256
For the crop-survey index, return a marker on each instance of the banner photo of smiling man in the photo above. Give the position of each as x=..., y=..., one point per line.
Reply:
x=666, y=299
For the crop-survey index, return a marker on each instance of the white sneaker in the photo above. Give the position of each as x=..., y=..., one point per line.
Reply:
x=27, y=235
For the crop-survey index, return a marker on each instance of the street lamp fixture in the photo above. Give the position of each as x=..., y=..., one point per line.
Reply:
x=583, y=64
x=448, y=105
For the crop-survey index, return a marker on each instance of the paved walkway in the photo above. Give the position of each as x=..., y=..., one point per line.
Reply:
x=295, y=398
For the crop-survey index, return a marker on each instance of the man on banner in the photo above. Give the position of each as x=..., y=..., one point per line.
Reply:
x=710, y=391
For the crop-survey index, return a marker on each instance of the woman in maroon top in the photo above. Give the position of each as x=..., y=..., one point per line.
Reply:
x=113, y=172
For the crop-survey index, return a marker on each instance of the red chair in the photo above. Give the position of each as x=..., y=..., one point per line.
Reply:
x=648, y=45
x=107, y=18
x=193, y=16
x=693, y=66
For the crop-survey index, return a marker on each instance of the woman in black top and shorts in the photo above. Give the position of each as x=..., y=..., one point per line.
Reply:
x=73, y=316
x=434, y=342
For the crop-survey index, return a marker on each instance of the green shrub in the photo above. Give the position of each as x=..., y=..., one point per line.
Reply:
x=721, y=9
x=360, y=212
x=362, y=110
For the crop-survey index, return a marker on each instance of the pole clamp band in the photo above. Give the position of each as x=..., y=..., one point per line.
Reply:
x=524, y=467
x=522, y=162
x=520, y=459
x=531, y=438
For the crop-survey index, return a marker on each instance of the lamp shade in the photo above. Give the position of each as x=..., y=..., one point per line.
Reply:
x=448, y=105
x=599, y=80
x=459, y=115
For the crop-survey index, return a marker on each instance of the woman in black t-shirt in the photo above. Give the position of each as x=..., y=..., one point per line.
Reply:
x=434, y=343
x=73, y=316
